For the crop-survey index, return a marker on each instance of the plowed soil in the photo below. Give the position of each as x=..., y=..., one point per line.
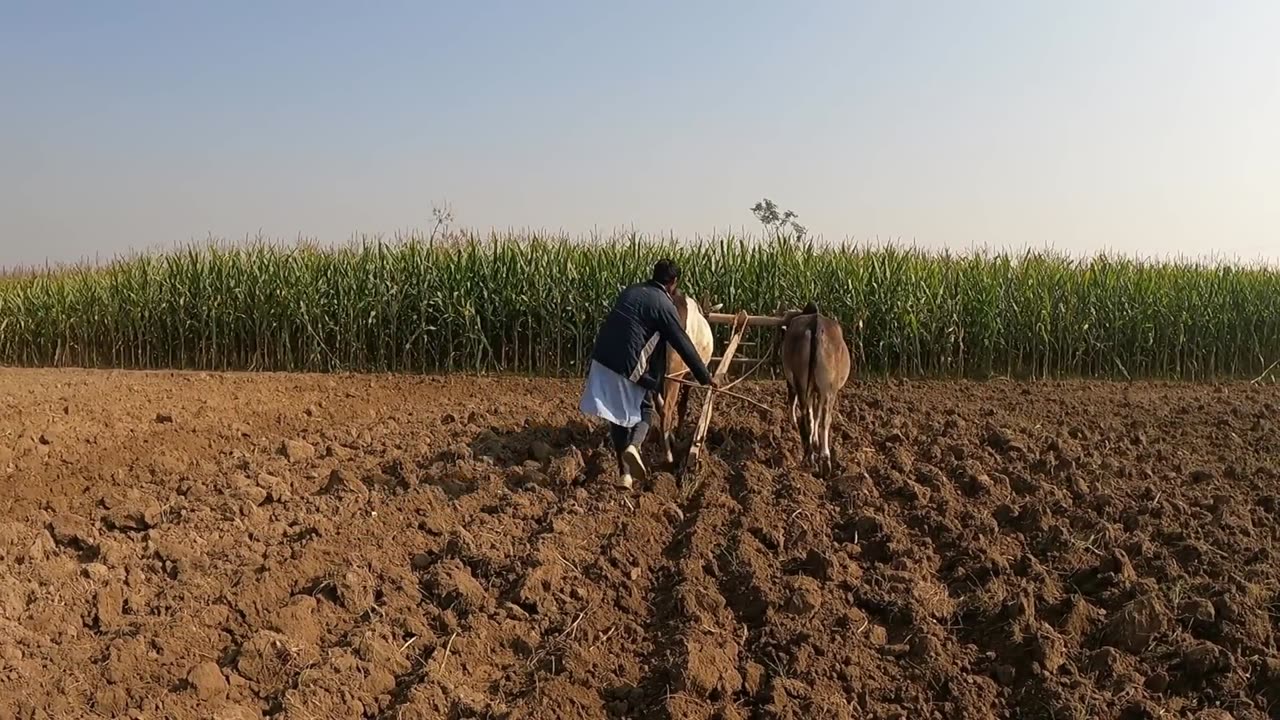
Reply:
x=304, y=547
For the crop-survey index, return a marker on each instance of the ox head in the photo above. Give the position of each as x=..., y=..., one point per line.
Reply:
x=705, y=305
x=811, y=308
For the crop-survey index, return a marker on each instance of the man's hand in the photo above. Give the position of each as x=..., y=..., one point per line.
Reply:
x=716, y=382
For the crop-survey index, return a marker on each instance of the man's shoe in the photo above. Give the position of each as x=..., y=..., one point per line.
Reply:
x=633, y=464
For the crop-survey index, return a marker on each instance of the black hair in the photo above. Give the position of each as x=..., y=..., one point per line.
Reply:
x=665, y=272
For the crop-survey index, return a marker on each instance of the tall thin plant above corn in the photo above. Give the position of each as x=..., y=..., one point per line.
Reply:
x=530, y=303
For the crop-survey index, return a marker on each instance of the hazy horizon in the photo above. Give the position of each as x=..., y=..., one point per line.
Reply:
x=1127, y=127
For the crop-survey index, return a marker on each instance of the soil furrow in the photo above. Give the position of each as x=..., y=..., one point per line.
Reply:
x=191, y=545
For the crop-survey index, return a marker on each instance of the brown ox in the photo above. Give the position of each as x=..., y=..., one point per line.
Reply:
x=816, y=364
x=672, y=403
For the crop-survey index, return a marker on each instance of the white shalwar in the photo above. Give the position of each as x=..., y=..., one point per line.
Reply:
x=611, y=397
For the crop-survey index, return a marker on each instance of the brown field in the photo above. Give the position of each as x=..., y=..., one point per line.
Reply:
x=294, y=546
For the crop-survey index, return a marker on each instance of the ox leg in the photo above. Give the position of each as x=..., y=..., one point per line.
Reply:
x=793, y=402
x=806, y=430
x=670, y=405
x=683, y=412
x=815, y=432
x=828, y=409
x=661, y=403
x=660, y=409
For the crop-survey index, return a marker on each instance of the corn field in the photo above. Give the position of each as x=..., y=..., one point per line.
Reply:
x=529, y=303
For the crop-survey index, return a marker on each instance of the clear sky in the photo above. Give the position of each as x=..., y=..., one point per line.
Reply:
x=1132, y=126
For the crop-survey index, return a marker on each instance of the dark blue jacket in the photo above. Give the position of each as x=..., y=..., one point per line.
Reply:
x=633, y=341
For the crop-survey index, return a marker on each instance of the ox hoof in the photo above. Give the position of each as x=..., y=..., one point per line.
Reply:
x=624, y=481
x=827, y=466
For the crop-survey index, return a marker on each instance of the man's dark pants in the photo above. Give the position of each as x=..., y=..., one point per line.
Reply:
x=623, y=437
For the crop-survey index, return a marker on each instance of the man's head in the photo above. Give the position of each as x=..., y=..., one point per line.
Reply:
x=666, y=273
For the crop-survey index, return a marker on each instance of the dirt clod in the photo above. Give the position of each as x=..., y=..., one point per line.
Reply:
x=268, y=660
x=132, y=517
x=1138, y=623
x=72, y=531
x=41, y=547
x=109, y=607
x=342, y=482
x=1202, y=659
x=1198, y=610
x=207, y=681
x=539, y=451
x=804, y=596
x=453, y=585
x=297, y=450
x=710, y=669
x=567, y=469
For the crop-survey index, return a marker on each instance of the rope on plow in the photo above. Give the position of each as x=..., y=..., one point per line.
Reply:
x=724, y=390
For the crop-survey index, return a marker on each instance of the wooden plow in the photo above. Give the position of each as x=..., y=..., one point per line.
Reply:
x=739, y=324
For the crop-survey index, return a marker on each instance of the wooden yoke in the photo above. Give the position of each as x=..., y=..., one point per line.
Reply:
x=751, y=320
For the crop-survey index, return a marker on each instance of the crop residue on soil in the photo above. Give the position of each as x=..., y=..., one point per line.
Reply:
x=246, y=546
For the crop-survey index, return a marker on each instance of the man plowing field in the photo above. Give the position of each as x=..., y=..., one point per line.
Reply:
x=629, y=364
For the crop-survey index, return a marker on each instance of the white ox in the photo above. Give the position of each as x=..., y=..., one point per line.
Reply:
x=672, y=402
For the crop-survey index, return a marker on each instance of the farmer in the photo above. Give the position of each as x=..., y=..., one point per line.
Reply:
x=629, y=363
